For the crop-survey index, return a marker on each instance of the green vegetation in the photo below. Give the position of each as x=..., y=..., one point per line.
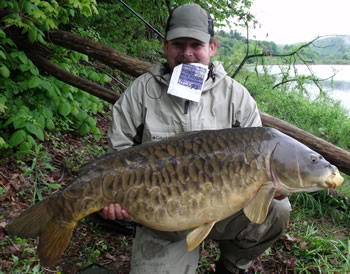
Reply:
x=320, y=244
x=33, y=103
x=36, y=110
x=40, y=163
x=333, y=50
x=325, y=50
x=323, y=116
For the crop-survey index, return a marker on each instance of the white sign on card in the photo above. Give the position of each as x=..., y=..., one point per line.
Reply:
x=187, y=81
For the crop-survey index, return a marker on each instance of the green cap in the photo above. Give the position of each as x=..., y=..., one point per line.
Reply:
x=190, y=21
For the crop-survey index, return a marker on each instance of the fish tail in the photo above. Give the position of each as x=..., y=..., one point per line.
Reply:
x=54, y=235
x=32, y=222
x=54, y=241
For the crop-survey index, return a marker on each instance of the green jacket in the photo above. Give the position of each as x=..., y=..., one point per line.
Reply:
x=145, y=112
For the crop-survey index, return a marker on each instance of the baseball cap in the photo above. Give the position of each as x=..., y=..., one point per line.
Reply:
x=190, y=20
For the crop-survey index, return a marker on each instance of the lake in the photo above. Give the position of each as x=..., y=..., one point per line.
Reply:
x=341, y=80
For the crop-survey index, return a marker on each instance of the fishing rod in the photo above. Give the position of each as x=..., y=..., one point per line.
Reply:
x=139, y=16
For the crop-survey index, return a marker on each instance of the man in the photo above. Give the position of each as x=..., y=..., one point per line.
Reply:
x=146, y=113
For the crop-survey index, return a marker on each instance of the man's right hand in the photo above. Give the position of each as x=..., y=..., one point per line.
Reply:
x=115, y=211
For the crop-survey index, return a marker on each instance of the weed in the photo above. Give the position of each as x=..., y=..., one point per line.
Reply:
x=334, y=205
x=319, y=246
x=23, y=266
x=94, y=252
x=324, y=254
x=76, y=160
x=124, y=241
x=21, y=259
x=93, y=255
x=37, y=172
x=209, y=255
x=306, y=200
x=55, y=140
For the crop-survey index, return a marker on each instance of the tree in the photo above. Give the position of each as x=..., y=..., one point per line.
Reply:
x=32, y=101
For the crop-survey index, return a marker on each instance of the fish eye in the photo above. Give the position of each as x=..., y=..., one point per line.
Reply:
x=313, y=158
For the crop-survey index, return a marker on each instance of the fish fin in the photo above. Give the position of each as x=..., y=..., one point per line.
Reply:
x=258, y=207
x=196, y=236
x=38, y=220
x=54, y=241
x=31, y=222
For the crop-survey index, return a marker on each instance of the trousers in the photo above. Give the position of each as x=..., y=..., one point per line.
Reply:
x=240, y=243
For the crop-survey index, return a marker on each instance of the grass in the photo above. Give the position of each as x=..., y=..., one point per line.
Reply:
x=320, y=234
x=320, y=245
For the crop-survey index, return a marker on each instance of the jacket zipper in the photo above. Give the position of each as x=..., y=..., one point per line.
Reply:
x=187, y=110
x=187, y=104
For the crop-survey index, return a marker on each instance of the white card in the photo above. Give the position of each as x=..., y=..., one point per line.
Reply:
x=187, y=81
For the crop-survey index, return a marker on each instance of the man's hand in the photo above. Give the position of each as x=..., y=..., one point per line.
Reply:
x=115, y=211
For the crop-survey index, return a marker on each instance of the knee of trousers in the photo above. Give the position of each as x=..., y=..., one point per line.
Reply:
x=280, y=211
x=272, y=228
x=155, y=252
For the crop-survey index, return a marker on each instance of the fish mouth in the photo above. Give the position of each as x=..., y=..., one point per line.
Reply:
x=334, y=180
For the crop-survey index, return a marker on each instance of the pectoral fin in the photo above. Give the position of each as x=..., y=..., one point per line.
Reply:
x=258, y=207
x=196, y=236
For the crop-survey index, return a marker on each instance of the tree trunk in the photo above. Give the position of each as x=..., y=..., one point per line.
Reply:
x=101, y=52
x=127, y=64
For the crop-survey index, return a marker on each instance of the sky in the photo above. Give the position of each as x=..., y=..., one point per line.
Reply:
x=293, y=21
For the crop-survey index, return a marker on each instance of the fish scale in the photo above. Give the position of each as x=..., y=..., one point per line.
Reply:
x=190, y=181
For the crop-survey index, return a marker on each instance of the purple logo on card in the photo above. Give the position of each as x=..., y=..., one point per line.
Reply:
x=192, y=76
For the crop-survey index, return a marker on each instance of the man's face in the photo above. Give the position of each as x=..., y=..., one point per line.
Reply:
x=188, y=50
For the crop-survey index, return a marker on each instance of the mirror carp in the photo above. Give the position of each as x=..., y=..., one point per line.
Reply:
x=189, y=181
